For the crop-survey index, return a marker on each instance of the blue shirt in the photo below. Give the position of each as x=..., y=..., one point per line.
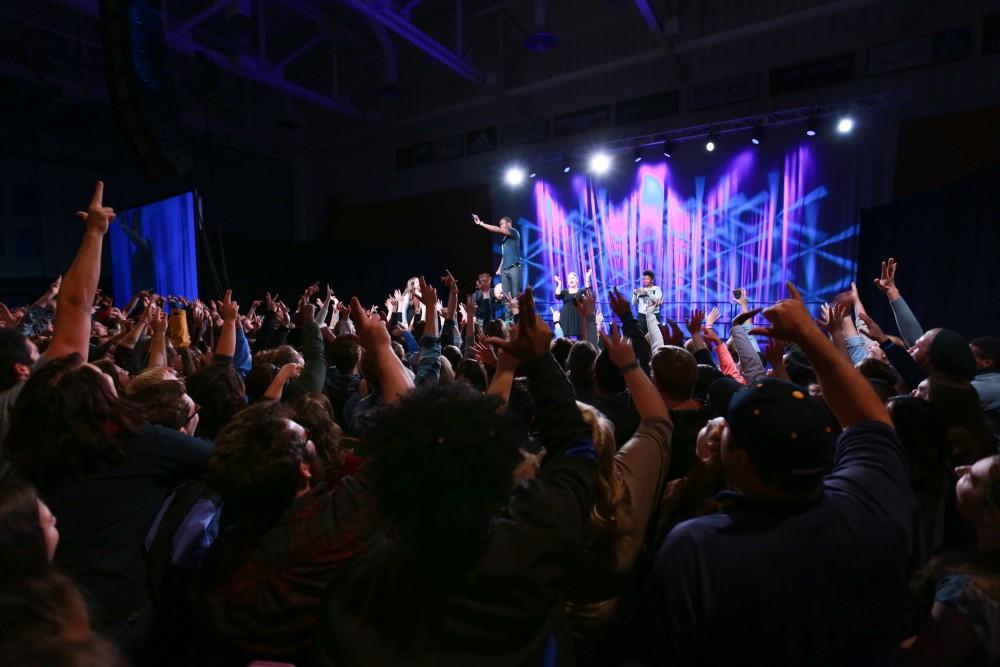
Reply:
x=777, y=583
x=511, y=248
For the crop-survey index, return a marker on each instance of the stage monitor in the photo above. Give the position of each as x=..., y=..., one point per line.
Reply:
x=153, y=248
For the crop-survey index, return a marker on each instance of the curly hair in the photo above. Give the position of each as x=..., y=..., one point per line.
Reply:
x=473, y=372
x=164, y=403
x=441, y=468
x=68, y=420
x=256, y=462
x=259, y=379
x=315, y=413
x=219, y=390
x=610, y=516
x=22, y=541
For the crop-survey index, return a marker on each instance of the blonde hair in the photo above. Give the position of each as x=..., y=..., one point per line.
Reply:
x=148, y=378
x=611, y=514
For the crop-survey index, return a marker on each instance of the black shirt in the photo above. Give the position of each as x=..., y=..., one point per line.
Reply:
x=103, y=516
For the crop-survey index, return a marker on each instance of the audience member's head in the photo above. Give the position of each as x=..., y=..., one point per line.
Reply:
x=609, y=515
x=958, y=404
x=28, y=533
x=473, y=372
x=263, y=459
x=580, y=363
x=882, y=377
x=119, y=376
x=258, y=380
x=978, y=494
x=607, y=377
x=150, y=377
x=945, y=351
x=707, y=374
x=279, y=356
x=344, y=355
x=986, y=351
x=453, y=355
x=219, y=390
x=167, y=404
x=778, y=441
x=441, y=467
x=560, y=349
x=675, y=373
x=17, y=355
x=315, y=414
x=67, y=420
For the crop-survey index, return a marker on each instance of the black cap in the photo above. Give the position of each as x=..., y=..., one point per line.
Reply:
x=778, y=423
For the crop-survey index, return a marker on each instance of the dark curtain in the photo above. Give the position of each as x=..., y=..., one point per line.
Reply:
x=947, y=243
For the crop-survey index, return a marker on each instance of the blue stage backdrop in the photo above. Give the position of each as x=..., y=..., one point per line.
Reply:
x=152, y=247
x=705, y=223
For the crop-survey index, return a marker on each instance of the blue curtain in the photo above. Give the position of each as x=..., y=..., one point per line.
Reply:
x=153, y=247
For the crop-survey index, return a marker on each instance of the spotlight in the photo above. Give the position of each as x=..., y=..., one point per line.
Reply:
x=637, y=153
x=600, y=163
x=532, y=174
x=566, y=166
x=811, y=127
x=710, y=144
x=668, y=148
x=758, y=134
x=514, y=176
x=845, y=125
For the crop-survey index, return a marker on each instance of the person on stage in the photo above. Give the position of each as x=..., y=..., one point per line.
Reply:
x=569, y=317
x=510, y=261
x=647, y=298
x=486, y=305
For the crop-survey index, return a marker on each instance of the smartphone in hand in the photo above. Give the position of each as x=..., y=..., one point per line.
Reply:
x=737, y=293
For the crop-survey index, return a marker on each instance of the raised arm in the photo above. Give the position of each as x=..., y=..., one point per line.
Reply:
x=374, y=338
x=503, y=378
x=753, y=370
x=645, y=397
x=487, y=227
x=909, y=328
x=76, y=297
x=229, y=310
x=276, y=389
x=630, y=326
x=694, y=328
x=848, y=394
x=158, y=344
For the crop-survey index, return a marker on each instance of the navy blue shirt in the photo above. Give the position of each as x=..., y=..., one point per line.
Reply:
x=766, y=582
x=511, y=248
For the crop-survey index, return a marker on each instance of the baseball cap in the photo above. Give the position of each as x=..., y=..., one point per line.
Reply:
x=779, y=424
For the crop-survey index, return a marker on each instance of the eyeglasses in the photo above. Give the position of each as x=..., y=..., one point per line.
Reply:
x=197, y=409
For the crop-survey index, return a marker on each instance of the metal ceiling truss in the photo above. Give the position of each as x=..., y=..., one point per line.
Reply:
x=855, y=105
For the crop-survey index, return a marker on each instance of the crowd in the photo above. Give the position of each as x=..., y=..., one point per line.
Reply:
x=418, y=482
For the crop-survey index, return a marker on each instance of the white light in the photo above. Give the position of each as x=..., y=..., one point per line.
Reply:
x=600, y=163
x=710, y=146
x=566, y=169
x=755, y=141
x=845, y=125
x=810, y=132
x=514, y=176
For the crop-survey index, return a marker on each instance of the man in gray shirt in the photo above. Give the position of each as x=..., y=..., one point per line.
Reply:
x=647, y=298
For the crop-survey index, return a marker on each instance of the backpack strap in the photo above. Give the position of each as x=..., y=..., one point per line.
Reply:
x=161, y=550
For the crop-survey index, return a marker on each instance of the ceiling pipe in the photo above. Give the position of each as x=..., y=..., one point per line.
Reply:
x=542, y=38
x=390, y=64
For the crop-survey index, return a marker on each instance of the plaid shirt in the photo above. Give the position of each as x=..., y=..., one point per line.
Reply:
x=268, y=607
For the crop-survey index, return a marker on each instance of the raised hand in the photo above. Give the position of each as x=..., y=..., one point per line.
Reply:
x=743, y=318
x=428, y=295
x=291, y=370
x=485, y=354
x=789, y=319
x=229, y=309
x=775, y=352
x=533, y=334
x=556, y=314
x=620, y=350
x=712, y=317
x=584, y=304
x=558, y=281
x=157, y=321
x=874, y=330
x=694, y=323
x=475, y=219
x=672, y=334
x=620, y=306
x=887, y=281
x=463, y=312
x=825, y=317
x=711, y=336
x=372, y=333
x=449, y=281
x=97, y=216
x=269, y=301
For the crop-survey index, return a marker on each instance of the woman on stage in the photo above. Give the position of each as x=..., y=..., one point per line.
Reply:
x=569, y=318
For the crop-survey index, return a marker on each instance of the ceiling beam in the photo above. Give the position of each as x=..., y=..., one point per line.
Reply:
x=402, y=27
x=653, y=23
